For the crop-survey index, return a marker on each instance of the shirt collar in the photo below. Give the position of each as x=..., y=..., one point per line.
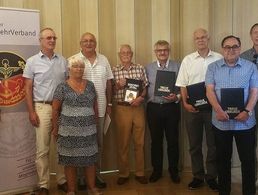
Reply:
x=130, y=67
x=197, y=55
x=43, y=55
x=166, y=66
x=238, y=63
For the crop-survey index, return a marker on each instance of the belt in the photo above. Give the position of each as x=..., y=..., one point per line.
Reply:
x=162, y=104
x=44, y=102
x=123, y=104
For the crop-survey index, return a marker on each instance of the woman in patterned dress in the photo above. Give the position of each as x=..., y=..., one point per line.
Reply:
x=74, y=126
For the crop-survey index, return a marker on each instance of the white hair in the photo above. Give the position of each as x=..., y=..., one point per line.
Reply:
x=73, y=61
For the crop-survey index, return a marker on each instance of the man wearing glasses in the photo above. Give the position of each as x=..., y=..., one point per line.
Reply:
x=42, y=73
x=98, y=70
x=237, y=73
x=192, y=71
x=163, y=115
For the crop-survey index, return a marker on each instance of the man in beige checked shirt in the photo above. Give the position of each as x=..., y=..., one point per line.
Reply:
x=129, y=115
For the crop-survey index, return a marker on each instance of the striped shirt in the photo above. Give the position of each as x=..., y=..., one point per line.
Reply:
x=135, y=71
x=243, y=75
x=98, y=72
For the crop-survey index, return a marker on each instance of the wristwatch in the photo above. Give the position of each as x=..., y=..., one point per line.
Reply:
x=250, y=113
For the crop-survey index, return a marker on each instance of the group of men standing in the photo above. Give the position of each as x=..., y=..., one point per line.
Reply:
x=47, y=69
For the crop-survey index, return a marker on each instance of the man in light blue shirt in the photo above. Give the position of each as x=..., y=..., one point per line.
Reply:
x=233, y=72
x=42, y=73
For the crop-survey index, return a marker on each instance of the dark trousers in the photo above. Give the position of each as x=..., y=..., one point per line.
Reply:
x=164, y=119
x=197, y=124
x=245, y=142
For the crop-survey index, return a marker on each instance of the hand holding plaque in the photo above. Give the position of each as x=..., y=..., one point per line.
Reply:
x=232, y=101
x=197, y=96
x=165, y=83
x=133, y=88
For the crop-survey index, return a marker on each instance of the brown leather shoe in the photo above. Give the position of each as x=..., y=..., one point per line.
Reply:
x=122, y=180
x=141, y=179
x=43, y=191
x=63, y=187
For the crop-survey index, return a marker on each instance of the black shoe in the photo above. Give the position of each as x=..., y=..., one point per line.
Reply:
x=155, y=177
x=43, y=191
x=81, y=185
x=141, y=179
x=196, y=183
x=213, y=185
x=100, y=183
x=122, y=180
x=63, y=187
x=175, y=177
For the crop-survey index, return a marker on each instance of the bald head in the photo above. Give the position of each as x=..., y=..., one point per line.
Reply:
x=201, y=31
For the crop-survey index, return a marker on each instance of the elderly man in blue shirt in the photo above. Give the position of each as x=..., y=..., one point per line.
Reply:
x=233, y=72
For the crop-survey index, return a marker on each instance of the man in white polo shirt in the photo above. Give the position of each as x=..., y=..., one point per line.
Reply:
x=97, y=70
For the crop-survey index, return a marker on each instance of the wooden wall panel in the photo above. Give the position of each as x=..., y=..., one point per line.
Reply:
x=160, y=21
x=9, y=3
x=51, y=17
x=107, y=46
x=245, y=14
x=70, y=27
x=88, y=21
x=222, y=22
x=175, y=29
x=125, y=24
x=143, y=32
x=193, y=15
x=107, y=30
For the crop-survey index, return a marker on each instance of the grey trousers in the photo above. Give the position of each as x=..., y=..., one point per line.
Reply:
x=196, y=124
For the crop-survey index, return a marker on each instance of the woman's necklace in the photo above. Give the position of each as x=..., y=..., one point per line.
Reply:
x=78, y=87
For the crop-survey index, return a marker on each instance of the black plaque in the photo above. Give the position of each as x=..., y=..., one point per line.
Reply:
x=232, y=101
x=197, y=96
x=165, y=83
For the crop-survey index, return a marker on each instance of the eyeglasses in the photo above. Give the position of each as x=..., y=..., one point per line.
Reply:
x=255, y=58
x=162, y=50
x=50, y=38
x=128, y=53
x=91, y=41
x=233, y=48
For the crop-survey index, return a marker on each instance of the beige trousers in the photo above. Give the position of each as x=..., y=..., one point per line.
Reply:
x=130, y=123
x=43, y=140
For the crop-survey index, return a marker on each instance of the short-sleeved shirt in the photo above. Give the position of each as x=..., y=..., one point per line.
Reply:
x=46, y=74
x=98, y=72
x=135, y=71
x=151, y=70
x=243, y=75
x=193, y=68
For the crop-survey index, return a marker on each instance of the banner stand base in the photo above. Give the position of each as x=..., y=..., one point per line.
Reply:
x=31, y=191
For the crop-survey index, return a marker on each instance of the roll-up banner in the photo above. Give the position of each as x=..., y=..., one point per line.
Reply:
x=19, y=33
